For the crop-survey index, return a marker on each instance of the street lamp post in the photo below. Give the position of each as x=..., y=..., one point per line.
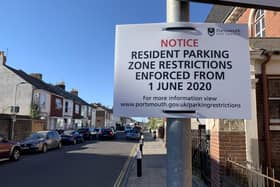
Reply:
x=14, y=110
x=179, y=142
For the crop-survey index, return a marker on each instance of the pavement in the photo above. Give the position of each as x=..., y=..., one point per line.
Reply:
x=153, y=167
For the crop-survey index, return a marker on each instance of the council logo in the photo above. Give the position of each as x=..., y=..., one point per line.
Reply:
x=211, y=31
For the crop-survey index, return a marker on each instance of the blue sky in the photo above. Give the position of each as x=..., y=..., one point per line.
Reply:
x=73, y=40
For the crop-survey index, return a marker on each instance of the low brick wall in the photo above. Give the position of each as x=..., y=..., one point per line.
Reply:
x=275, y=152
x=225, y=145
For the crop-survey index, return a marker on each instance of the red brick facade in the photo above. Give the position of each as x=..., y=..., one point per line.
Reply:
x=77, y=110
x=275, y=149
x=272, y=26
x=223, y=146
x=56, y=106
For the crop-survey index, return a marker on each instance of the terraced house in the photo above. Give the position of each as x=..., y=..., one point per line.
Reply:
x=27, y=96
x=252, y=143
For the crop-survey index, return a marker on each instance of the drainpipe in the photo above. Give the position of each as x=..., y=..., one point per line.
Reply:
x=266, y=110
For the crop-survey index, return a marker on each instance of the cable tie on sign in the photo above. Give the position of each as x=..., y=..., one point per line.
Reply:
x=179, y=28
x=179, y=111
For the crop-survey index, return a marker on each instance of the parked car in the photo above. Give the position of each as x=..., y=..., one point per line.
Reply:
x=113, y=130
x=138, y=129
x=133, y=135
x=127, y=128
x=88, y=133
x=107, y=133
x=9, y=149
x=41, y=141
x=71, y=137
x=98, y=132
x=60, y=131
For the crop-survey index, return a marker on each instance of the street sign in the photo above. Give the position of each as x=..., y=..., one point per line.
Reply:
x=260, y=4
x=182, y=70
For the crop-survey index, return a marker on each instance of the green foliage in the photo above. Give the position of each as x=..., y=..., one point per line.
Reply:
x=35, y=111
x=154, y=123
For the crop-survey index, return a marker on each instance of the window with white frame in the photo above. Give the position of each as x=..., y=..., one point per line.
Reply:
x=58, y=103
x=77, y=109
x=43, y=99
x=259, y=24
x=274, y=99
x=89, y=111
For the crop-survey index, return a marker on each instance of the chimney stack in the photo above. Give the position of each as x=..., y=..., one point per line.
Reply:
x=3, y=58
x=61, y=85
x=74, y=92
x=37, y=75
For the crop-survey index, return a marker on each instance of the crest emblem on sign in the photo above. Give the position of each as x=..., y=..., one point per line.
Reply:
x=211, y=31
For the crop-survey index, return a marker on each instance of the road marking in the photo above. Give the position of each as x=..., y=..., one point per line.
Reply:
x=125, y=167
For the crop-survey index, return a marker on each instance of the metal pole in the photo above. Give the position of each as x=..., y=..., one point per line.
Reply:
x=14, y=111
x=177, y=11
x=179, y=144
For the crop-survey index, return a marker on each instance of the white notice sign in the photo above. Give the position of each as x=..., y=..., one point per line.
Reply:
x=182, y=70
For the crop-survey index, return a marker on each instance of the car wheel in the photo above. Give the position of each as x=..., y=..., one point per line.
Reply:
x=44, y=148
x=15, y=154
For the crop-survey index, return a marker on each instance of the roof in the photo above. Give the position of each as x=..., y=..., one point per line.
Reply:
x=219, y=13
x=40, y=84
x=101, y=107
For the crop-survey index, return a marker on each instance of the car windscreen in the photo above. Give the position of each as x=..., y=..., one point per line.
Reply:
x=37, y=136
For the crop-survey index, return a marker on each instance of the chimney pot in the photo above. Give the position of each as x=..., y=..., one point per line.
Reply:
x=3, y=58
x=37, y=75
x=61, y=85
x=74, y=92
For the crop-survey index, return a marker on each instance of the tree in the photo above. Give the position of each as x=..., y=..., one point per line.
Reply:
x=35, y=111
x=154, y=122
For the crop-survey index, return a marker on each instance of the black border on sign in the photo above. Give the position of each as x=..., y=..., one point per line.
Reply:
x=246, y=5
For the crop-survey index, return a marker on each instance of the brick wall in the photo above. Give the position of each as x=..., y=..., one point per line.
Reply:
x=272, y=28
x=275, y=149
x=214, y=152
x=56, y=111
x=39, y=125
x=244, y=19
x=224, y=145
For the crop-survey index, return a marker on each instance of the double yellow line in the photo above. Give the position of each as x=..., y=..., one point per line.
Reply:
x=125, y=167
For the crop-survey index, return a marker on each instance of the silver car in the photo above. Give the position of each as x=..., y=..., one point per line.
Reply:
x=41, y=141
